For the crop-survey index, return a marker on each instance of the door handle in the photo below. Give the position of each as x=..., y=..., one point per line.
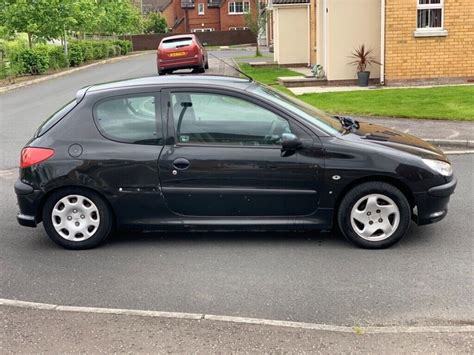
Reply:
x=181, y=164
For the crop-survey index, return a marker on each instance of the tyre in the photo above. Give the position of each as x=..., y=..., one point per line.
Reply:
x=161, y=72
x=374, y=215
x=77, y=218
x=207, y=64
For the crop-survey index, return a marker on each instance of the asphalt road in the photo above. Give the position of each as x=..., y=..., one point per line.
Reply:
x=426, y=279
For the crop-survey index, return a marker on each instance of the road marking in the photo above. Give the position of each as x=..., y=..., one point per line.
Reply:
x=454, y=135
x=243, y=320
x=8, y=173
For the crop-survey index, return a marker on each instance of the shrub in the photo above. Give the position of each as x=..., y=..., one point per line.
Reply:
x=87, y=50
x=31, y=61
x=125, y=46
x=57, y=58
x=75, y=53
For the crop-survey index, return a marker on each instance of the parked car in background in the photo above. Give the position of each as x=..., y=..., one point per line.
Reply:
x=181, y=52
x=209, y=152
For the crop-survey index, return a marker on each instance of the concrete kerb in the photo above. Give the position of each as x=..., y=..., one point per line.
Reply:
x=11, y=87
x=460, y=143
x=244, y=320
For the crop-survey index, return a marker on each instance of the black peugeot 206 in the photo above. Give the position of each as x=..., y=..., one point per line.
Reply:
x=209, y=152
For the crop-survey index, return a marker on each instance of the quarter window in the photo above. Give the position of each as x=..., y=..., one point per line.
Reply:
x=129, y=119
x=239, y=7
x=430, y=14
x=221, y=119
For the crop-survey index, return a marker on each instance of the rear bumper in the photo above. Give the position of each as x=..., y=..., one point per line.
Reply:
x=432, y=206
x=28, y=202
x=179, y=63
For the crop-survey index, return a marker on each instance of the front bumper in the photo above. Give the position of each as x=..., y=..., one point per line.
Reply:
x=432, y=205
x=28, y=202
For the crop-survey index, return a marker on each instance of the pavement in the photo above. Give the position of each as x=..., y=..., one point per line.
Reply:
x=426, y=280
x=40, y=331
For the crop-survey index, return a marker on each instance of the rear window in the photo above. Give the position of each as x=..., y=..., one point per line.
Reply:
x=177, y=43
x=55, y=118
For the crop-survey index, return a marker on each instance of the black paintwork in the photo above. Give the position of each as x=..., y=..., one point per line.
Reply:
x=225, y=186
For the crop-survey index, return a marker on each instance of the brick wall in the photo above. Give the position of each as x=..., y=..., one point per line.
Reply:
x=429, y=59
x=210, y=18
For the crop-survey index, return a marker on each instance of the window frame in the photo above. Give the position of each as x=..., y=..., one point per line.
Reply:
x=158, y=114
x=170, y=131
x=430, y=7
x=201, y=9
x=233, y=4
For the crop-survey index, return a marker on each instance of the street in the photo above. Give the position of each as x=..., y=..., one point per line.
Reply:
x=308, y=277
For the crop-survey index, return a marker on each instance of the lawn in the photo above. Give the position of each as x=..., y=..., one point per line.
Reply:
x=444, y=102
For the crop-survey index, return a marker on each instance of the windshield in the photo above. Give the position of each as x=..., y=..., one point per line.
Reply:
x=309, y=113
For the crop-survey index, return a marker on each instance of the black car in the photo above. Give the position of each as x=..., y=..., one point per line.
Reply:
x=209, y=152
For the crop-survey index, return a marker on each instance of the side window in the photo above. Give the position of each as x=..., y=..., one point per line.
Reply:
x=222, y=119
x=129, y=119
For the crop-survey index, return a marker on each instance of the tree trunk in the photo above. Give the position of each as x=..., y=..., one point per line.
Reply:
x=30, y=44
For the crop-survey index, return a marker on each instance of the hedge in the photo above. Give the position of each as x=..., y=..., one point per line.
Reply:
x=45, y=57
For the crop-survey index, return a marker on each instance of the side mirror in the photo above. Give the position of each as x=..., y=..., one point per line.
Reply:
x=290, y=142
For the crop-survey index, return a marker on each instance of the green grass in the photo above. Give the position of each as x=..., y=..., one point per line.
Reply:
x=269, y=76
x=446, y=102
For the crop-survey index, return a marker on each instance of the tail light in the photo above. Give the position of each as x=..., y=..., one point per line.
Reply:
x=31, y=156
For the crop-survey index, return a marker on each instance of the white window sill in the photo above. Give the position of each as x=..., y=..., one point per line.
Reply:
x=430, y=33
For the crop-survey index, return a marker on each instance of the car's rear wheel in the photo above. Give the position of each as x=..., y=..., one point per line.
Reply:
x=207, y=64
x=77, y=218
x=161, y=72
x=374, y=215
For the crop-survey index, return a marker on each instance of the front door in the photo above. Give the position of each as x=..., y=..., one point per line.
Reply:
x=226, y=159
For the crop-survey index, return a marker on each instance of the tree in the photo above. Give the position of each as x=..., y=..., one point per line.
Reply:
x=117, y=17
x=155, y=23
x=45, y=19
x=256, y=21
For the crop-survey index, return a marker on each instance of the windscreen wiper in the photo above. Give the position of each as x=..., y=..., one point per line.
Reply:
x=348, y=122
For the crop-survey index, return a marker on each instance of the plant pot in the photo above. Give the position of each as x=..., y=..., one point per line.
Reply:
x=363, y=78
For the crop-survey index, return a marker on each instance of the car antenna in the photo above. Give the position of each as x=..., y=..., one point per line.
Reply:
x=235, y=68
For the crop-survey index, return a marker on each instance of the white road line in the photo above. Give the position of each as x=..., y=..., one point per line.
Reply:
x=243, y=320
x=454, y=135
x=8, y=173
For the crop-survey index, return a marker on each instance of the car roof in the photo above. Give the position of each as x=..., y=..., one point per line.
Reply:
x=171, y=80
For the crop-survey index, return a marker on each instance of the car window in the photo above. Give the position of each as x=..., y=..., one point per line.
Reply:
x=309, y=113
x=221, y=119
x=129, y=119
x=55, y=118
x=177, y=43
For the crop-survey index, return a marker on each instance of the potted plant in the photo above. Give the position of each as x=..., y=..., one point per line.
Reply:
x=362, y=58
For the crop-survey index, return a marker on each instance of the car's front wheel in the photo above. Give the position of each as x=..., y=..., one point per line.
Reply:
x=374, y=215
x=77, y=218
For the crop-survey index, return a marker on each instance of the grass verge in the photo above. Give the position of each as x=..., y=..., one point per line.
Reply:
x=444, y=102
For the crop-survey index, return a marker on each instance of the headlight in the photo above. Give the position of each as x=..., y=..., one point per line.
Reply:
x=439, y=166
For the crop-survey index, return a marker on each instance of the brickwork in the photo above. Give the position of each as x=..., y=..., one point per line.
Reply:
x=417, y=59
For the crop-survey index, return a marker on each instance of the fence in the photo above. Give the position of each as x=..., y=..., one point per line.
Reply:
x=216, y=38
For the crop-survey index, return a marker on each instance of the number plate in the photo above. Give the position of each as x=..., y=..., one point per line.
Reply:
x=177, y=54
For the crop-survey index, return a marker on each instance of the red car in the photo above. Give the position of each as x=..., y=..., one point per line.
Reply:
x=181, y=52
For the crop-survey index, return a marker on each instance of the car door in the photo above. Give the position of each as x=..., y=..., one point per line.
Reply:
x=223, y=158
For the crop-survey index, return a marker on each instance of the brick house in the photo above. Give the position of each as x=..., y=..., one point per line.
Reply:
x=417, y=41
x=201, y=15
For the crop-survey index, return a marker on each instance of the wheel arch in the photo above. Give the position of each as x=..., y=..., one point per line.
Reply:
x=378, y=178
x=39, y=211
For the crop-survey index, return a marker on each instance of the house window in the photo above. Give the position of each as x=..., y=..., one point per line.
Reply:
x=202, y=30
x=238, y=28
x=239, y=7
x=430, y=14
x=201, y=9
